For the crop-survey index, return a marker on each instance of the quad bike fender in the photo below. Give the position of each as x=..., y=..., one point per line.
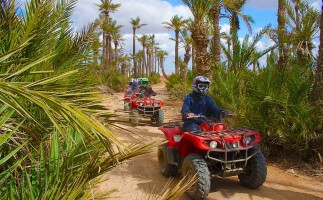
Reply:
x=195, y=140
x=191, y=144
x=170, y=133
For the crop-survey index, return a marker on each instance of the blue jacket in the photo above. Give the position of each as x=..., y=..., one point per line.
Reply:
x=199, y=105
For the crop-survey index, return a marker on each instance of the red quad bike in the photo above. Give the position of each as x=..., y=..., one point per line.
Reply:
x=126, y=99
x=146, y=107
x=214, y=151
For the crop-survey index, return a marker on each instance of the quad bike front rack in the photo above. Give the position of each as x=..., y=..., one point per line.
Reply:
x=148, y=110
x=228, y=148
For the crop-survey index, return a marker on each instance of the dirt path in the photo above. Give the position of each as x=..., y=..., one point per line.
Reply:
x=140, y=175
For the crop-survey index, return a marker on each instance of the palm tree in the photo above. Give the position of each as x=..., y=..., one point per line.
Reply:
x=107, y=7
x=139, y=60
x=135, y=25
x=186, y=41
x=175, y=24
x=215, y=11
x=234, y=13
x=125, y=65
x=95, y=47
x=117, y=39
x=282, y=59
x=189, y=26
x=200, y=34
x=245, y=53
x=111, y=29
x=50, y=131
x=161, y=55
x=318, y=82
x=303, y=23
x=144, y=40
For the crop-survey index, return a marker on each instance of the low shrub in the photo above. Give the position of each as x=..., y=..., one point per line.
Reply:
x=154, y=78
x=114, y=80
x=276, y=103
x=177, y=87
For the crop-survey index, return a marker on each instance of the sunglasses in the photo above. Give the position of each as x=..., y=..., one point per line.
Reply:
x=202, y=86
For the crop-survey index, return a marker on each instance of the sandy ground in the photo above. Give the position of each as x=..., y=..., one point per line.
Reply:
x=140, y=175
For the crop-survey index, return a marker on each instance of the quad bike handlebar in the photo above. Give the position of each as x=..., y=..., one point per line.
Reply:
x=197, y=116
x=223, y=114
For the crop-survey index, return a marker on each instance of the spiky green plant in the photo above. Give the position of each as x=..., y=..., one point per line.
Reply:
x=53, y=144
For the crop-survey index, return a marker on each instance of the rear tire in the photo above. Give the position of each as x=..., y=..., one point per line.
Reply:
x=194, y=164
x=159, y=118
x=166, y=169
x=255, y=173
x=134, y=117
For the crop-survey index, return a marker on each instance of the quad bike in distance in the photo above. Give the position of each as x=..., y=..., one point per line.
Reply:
x=144, y=107
x=128, y=95
x=214, y=151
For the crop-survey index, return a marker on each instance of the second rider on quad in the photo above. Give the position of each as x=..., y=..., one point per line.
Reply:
x=144, y=106
x=145, y=89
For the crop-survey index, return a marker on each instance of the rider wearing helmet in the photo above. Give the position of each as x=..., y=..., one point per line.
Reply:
x=133, y=85
x=145, y=89
x=198, y=103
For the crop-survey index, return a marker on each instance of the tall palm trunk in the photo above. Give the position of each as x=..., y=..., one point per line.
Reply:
x=282, y=59
x=143, y=60
x=318, y=81
x=187, y=57
x=107, y=42
x=104, y=53
x=217, y=35
x=134, y=52
x=155, y=57
x=176, y=51
x=201, y=40
x=229, y=49
x=234, y=31
x=110, y=49
x=193, y=57
x=116, y=55
x=158, y=64
x=162, y=67
x=147, y=62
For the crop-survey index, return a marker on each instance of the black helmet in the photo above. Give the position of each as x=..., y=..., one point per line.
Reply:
x=201, y=85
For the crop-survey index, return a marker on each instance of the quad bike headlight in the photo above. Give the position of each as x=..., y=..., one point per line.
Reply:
x=248, y=140
x=213, y=144
x=177, y=138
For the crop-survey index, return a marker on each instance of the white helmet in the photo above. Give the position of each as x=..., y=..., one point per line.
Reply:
x=201, y=85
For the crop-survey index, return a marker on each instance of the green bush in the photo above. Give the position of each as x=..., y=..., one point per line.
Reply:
x=179, y=91
x=154, y=78
x=177, y=87
x=276, y=103
x=114, y=80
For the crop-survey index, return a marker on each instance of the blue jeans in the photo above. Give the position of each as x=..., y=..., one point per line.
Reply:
x=191, y=126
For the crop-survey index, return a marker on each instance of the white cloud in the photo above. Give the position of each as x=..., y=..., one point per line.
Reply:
x=151, y=12
x=225, y=28
x=273, y=4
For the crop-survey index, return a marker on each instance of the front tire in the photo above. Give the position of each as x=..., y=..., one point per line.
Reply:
x=134, y=117
x=194, y=164
x=159, y=118
x=255, y=173
x=126, y=106
x=166, y=169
